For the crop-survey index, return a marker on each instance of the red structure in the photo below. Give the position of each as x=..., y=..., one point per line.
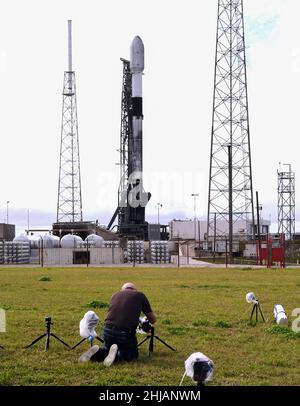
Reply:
x=272, y=250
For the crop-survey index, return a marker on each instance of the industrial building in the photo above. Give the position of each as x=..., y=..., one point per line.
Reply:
x=195, y=230
x=7, y=232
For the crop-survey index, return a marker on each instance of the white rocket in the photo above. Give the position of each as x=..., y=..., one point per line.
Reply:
x=137, y=68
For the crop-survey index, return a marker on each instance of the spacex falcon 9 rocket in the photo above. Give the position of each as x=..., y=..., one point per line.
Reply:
x=132, y=198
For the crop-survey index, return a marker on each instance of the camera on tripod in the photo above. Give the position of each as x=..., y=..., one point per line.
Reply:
x=145, y=325
x=48, y=320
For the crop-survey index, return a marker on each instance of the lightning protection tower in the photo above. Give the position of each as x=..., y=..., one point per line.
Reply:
x=230, y=196
x=286, y=202
x=69, y=202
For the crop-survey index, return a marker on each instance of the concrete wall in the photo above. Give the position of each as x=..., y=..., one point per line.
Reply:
x=106, y=256
x=58, y=256
x=64, y=256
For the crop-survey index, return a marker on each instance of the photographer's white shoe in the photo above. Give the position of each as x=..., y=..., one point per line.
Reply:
x=111, y=355
x=85, y=357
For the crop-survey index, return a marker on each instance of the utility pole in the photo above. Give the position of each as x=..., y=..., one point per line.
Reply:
x=230, y=202
x=258, y=208
x=195, y=195
x=7, y=217
x=158, y=206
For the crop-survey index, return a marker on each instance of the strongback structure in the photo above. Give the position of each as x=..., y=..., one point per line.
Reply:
x=131, y=196
x=69, y=202
x=230, y=196
x=286, y=202
x=125, y=137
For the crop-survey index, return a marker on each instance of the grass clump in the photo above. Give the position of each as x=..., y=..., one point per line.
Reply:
x=5, y=307
x=283, y=331
x=166, y=321
x=213, y=286
x=45, y=278
x=177, y=330
x=97, y=304
x=201, y=323
x=223, y=324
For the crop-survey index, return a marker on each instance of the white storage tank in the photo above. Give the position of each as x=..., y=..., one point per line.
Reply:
x=56, y=241
x=50, y=241
x=21, y=238
x=35, y=241
x=95, y=240
x=70, y=241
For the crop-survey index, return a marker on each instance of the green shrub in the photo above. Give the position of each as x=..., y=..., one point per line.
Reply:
x=45, y=278
x=284, y=331
x=201, y=323
x=98, y=304
x=5, y=307
x=166, y=321
x=223, y=324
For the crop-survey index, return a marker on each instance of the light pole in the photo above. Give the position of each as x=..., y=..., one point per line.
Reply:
x=7, y=219
x=158, y=206
x=195, y=195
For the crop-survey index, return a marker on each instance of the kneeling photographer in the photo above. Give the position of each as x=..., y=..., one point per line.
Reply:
x=119, y=330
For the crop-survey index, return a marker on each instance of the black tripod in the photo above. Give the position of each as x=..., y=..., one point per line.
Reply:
x=151, y=337
x=47, y=334
x=91, y=342
x=256, y=308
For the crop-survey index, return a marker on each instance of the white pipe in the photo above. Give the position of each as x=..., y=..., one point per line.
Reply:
x=70, y=45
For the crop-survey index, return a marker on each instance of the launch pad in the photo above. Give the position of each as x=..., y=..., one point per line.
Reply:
x=83, y=229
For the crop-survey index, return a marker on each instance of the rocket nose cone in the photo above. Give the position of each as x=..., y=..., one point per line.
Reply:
x=137, y=55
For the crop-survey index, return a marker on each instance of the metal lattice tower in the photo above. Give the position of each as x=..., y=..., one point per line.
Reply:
x=230, y=197
x=125, y=147
x=125, y=137
x=286, y=202
x=69, y=203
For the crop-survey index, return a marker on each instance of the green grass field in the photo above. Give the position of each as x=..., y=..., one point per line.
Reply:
x=198, y=310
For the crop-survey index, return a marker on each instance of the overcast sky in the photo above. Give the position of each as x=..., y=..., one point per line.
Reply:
x=179, y=38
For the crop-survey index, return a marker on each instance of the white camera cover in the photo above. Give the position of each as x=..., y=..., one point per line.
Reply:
x=250, y=298
x=88, y=325
x=280, y=315
x=198, y=356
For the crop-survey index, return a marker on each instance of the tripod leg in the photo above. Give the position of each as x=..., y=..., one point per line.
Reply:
x=145, y=339
x=256, y=313
x=80, y=342
x=36, y=340
x=57, y=338
x=252, y=312
x=99, y=339
x=47, y=344
x=261, y=313
x=151, y=344
x=163, y=342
